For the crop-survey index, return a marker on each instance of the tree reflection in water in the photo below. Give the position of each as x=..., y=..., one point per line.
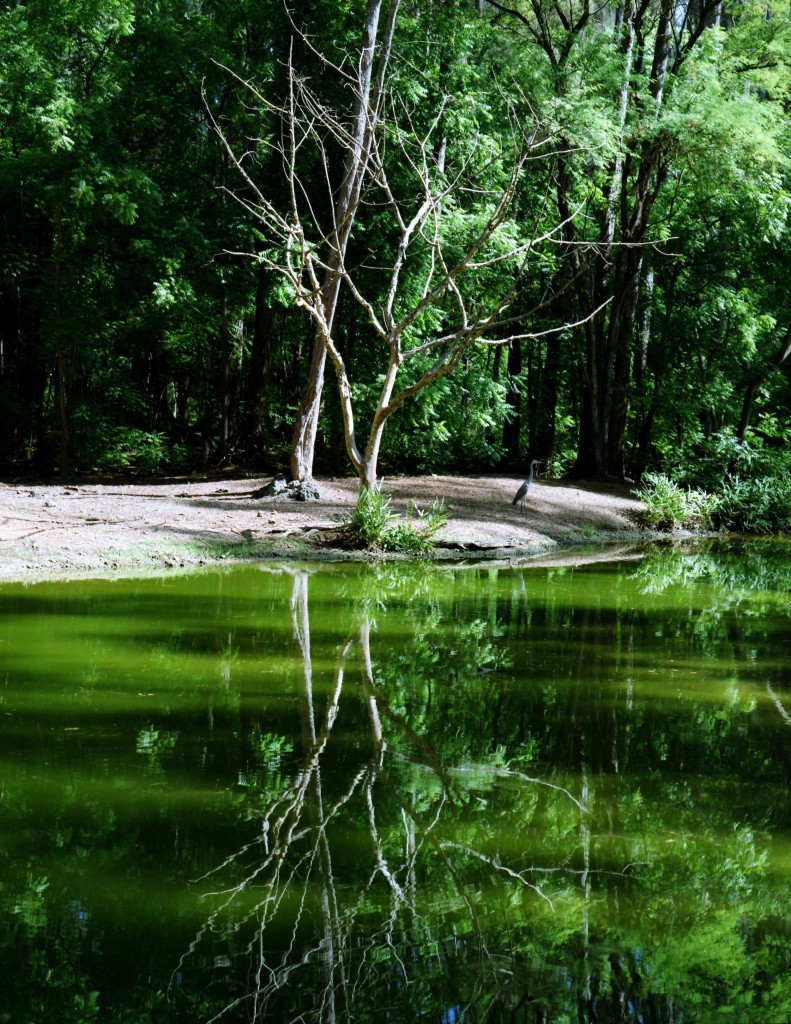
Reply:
x=483, y=794
x=391, y=933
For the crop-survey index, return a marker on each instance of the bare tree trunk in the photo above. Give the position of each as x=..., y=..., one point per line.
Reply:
x=303, y=440
x=381, y=415
x=306, y=425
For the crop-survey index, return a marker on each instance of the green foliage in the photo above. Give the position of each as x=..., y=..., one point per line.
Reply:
x=173, y=354
x=128, y=449
x=454, y=424
x=764, y=452
x=743, y=485
x=667, y=505
x=375, y=525
x=759, y=505
x=371, y=518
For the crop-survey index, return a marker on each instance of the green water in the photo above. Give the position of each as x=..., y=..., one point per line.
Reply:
x=400, y=793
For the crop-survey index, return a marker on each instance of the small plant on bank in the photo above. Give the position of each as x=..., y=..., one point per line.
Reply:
x=667, y=505
x=375, y=525
x=665, y=502
x=420, y=536
x=371, y=518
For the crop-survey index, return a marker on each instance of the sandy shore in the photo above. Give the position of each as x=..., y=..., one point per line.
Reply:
x=130, y=528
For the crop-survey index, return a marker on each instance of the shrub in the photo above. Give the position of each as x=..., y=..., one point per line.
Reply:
x=131, y=450
x=761, y=505
x=374, y=524
x=701, y=509
x=668, y=505
x=665, y=502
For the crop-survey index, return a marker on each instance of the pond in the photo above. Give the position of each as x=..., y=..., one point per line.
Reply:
x=401, y=793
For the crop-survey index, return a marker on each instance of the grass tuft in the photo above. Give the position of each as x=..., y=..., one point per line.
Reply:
x=375, y=525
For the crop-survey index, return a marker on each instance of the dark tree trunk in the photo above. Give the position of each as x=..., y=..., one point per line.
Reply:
x=60, y=356
x=635, y=177
x=590, y=459
x=255, y=434
x=512, y=428
x=629, y=263
x=534, y=378
x=10, y=365
x=550, y=377
x=225, y=378
x=755, y=380
x=646, y=409
x=622, y=323
x=496, y=374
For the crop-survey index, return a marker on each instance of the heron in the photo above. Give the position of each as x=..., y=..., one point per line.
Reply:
x=521, y=494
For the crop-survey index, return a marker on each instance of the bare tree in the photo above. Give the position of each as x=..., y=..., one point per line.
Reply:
x=449, y=228
x=368, y=95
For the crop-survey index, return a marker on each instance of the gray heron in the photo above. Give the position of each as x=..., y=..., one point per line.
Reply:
x=521, y=494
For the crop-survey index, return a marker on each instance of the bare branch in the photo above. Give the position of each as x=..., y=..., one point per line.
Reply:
x=494, y=862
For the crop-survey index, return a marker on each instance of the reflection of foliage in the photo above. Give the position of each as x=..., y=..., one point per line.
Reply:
x=416, y=819
x=465, y=840
x=516, y=792
x=30, y=906
x=272, y=748
x=265, y=775
x=155, y=743
x=412, y=586
x=730, y=571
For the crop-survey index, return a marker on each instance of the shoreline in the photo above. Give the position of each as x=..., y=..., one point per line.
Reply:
x=131, y=529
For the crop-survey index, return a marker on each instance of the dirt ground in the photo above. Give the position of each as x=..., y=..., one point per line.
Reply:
x=50, y=531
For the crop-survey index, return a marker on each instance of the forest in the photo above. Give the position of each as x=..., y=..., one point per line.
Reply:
x=378, y=237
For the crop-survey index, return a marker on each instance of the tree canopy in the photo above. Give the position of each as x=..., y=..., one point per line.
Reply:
x=560, y=230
